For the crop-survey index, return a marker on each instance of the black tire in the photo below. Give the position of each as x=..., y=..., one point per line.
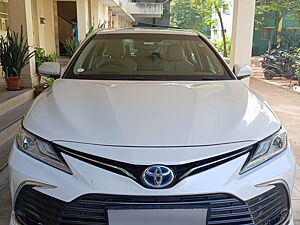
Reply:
x=268, y=75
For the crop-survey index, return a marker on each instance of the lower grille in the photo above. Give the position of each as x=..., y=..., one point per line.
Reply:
x=34, y=208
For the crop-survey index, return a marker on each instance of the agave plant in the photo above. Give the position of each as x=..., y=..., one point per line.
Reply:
x=71, y=46
x=14, y=53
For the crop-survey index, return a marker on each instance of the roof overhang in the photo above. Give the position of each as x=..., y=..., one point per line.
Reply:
x=145, y=9
x=110, y=2
x=120, y=10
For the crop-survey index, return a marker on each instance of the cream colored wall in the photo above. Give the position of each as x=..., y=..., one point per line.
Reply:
x=35, y=23
x=98, y=13
x=20, y=13
x=94, y=12
x=115, y=21
x=44, y=34
x=49, y=31
x=82, y=18
x=123, y=22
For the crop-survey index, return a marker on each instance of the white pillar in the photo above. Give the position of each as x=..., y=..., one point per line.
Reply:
x=19, y=13
x=82, y=18
x=95, y=13
x=242, y=32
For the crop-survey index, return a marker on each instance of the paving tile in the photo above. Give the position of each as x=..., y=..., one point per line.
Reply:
x=5, y=95
x=5, y=205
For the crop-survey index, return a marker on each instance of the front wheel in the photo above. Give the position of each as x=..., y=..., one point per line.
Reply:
x=268, y=75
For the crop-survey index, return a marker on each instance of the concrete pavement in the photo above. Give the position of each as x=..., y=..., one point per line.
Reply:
x=286, y=105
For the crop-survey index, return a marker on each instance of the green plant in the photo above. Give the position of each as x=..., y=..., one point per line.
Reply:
x=295, y=56
x=220, y=46
x=71, y=46
x=41, y=57
x=14, y=53
x=93, y=28
x=49, y=82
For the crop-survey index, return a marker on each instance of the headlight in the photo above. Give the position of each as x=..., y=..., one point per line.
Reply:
x=266, y=150
x=40, y=150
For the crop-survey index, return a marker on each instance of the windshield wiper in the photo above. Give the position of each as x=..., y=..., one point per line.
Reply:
x=135, y=78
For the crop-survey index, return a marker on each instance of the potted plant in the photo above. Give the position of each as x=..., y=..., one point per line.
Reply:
x=40, y=58
x=14, y=56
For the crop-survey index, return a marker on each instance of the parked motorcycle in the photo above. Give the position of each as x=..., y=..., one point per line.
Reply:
x=278, y=63
x=281, y=68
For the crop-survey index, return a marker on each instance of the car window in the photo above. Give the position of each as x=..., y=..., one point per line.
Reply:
x=146, y=56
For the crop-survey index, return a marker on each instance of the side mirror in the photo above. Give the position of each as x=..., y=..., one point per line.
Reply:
x=50, y=69
x=242, y=71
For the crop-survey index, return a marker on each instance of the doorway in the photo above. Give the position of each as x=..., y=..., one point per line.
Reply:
x=66, y=12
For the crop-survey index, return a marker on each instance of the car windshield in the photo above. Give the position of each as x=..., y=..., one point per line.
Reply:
x=147, y=57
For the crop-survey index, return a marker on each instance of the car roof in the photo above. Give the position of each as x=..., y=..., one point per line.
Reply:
x=135, y=30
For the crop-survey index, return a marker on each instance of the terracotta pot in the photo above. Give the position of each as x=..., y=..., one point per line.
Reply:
x=13, y=83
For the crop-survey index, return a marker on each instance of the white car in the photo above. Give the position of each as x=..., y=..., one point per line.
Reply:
x=150, y=127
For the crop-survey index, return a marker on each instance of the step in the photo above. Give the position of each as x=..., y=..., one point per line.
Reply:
x=3, y=178
x=11, y=99
x=11, y=120
x=4, y=155
x=4, y=152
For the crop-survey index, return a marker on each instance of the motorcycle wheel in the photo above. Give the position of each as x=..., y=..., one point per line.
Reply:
x=268, y=75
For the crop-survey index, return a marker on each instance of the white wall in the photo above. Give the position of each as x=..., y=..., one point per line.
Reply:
x=227, y=21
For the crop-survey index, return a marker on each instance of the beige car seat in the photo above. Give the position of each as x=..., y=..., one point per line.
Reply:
x=173, y=58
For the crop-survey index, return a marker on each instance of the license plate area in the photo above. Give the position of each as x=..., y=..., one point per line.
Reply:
x=157, y=215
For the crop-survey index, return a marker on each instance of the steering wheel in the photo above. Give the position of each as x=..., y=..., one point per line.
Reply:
x=112, y=63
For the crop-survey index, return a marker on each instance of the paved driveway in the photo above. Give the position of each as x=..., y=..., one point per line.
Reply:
x=285, y=103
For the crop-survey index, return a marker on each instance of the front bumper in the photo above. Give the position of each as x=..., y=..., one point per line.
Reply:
x=88, y=180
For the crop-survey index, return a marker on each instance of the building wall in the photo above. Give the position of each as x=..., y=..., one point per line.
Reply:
x=49, y=27
x=290, y=34
x=43, y=24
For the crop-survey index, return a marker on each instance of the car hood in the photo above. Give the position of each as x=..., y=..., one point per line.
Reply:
x=150, y=113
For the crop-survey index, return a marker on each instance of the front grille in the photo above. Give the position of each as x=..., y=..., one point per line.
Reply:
x=34, y=208
x=135, y=171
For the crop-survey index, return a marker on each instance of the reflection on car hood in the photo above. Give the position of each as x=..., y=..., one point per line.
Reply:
x=150, y=113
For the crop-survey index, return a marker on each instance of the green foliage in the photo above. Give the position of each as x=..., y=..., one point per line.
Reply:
x=266, y=10
x=14, y=53
x=48, y=82
x=71, y=46
x=295, y=57
x=41, y=57
x=185, y=15
x=218, y=6
x=220, y=46
x=289, y=9
x=93, y=28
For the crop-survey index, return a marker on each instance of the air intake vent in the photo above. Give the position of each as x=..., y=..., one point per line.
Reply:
x=35, y=208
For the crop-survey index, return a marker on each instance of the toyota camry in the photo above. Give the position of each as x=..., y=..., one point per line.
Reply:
x=150, y=127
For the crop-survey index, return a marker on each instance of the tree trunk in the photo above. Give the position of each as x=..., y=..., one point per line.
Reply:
x=272, y=37
x=274, y=34
x=223, y=32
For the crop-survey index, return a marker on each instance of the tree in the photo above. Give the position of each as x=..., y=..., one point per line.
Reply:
x=218, y=6
x=184, y=15
x=280, y=9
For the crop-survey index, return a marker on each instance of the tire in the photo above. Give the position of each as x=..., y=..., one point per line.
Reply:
x=268, y=75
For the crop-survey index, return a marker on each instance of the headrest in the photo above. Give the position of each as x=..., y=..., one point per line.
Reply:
x=173, y=53
x=115, y=48
x=144, y=52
